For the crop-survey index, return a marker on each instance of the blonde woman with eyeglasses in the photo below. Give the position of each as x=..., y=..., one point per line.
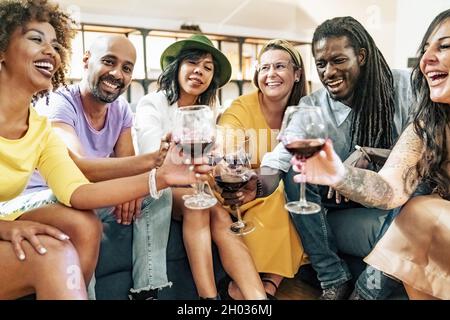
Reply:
x=280, y=79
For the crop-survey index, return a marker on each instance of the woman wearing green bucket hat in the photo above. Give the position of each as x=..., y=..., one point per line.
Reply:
x=199, y=42
x=193, y=71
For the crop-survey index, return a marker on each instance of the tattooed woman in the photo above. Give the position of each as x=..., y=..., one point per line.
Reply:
x=415, y=247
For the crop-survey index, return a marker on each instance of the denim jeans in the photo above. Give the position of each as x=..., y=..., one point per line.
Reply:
x=373, y=284
x=150, y=237
x=357, y=231
x=348, y=228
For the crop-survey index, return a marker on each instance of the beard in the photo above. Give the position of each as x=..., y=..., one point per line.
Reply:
x=107, y=97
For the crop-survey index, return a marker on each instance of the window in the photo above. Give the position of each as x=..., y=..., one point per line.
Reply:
x=155, y=47
x=150, y=44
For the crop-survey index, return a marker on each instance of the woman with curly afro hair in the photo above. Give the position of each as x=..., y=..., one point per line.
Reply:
x=50, y=247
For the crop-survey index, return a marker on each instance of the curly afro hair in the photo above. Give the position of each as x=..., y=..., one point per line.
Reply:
x=16, y=14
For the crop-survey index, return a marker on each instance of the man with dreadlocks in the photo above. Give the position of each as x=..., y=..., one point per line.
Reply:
x=364, y=103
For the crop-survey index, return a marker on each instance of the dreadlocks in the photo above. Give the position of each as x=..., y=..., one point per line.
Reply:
x=373, y=97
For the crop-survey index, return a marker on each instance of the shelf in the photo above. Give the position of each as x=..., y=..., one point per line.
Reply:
x=150, y=43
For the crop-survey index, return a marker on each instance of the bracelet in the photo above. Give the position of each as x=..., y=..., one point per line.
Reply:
x=154, y=193
x=259, y=188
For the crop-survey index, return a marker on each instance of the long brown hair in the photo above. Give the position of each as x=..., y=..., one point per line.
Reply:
x=430, y=120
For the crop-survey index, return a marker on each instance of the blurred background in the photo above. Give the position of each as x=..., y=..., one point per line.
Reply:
x=240, y=27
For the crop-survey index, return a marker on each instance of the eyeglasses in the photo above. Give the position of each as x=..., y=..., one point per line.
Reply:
x=280, y=66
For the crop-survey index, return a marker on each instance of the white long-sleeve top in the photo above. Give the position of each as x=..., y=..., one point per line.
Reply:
x=154, y=118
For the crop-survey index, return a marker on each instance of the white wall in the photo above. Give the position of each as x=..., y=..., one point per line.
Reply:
x=413, y=18
x=377, y=16
x=397, y=26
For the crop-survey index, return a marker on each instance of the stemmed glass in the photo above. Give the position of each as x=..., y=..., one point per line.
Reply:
x=288, y=114
x=233, y=172
x=194, y=133
x=303, y=137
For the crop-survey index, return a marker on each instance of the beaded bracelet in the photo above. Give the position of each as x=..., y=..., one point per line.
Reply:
x=154, y=193
x=259, y=188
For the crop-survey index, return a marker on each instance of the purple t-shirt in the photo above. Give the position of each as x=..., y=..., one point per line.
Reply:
x=65, y=106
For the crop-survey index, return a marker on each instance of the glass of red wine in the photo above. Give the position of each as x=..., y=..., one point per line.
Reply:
x=303, y=137
x=194, y=133
x=232, y=173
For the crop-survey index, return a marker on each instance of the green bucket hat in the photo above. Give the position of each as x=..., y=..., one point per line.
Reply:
x=200, y=42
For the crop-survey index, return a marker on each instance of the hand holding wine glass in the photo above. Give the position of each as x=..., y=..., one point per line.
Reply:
x=244, y=195
x=231, y=174
x=174, y=171
x=303, y=137
x=325, y=168
x=194, y=133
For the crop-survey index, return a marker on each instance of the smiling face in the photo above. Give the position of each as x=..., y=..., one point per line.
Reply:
x=32, y=56
x=276, y=74
x=195, y=76
x=109, y=66
x=338, y=66
x=435, y=63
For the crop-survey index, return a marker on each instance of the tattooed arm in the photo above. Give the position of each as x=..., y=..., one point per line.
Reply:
x=386, y=189
x=366, y=187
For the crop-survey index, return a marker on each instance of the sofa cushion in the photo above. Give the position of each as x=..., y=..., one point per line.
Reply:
x=178, y=269
x=114, y=268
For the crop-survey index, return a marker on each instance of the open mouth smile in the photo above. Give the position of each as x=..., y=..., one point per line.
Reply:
x=45, y=67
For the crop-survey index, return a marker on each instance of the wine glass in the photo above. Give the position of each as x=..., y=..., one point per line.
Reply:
x=303, y=137
x=288, y=114
x=194, y=133
x=233, y=172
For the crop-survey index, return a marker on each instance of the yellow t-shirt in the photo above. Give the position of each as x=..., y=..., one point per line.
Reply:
x=274, y=245
x=39, y=149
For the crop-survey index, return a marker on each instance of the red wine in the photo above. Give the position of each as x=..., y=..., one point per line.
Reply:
x=235, y=161
x=231, y=183
x=305, y=148
x=196, y=149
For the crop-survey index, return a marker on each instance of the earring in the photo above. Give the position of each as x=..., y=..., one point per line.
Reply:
x=297, y=80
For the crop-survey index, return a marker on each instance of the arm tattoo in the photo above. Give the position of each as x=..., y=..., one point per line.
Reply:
x=365, y=187
x=372, y=189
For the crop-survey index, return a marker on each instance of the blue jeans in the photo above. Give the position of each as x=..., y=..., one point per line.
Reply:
x=150, y=237
x=348, y=228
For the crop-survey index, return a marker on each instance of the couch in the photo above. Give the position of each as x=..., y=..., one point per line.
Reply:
x=114, y=268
